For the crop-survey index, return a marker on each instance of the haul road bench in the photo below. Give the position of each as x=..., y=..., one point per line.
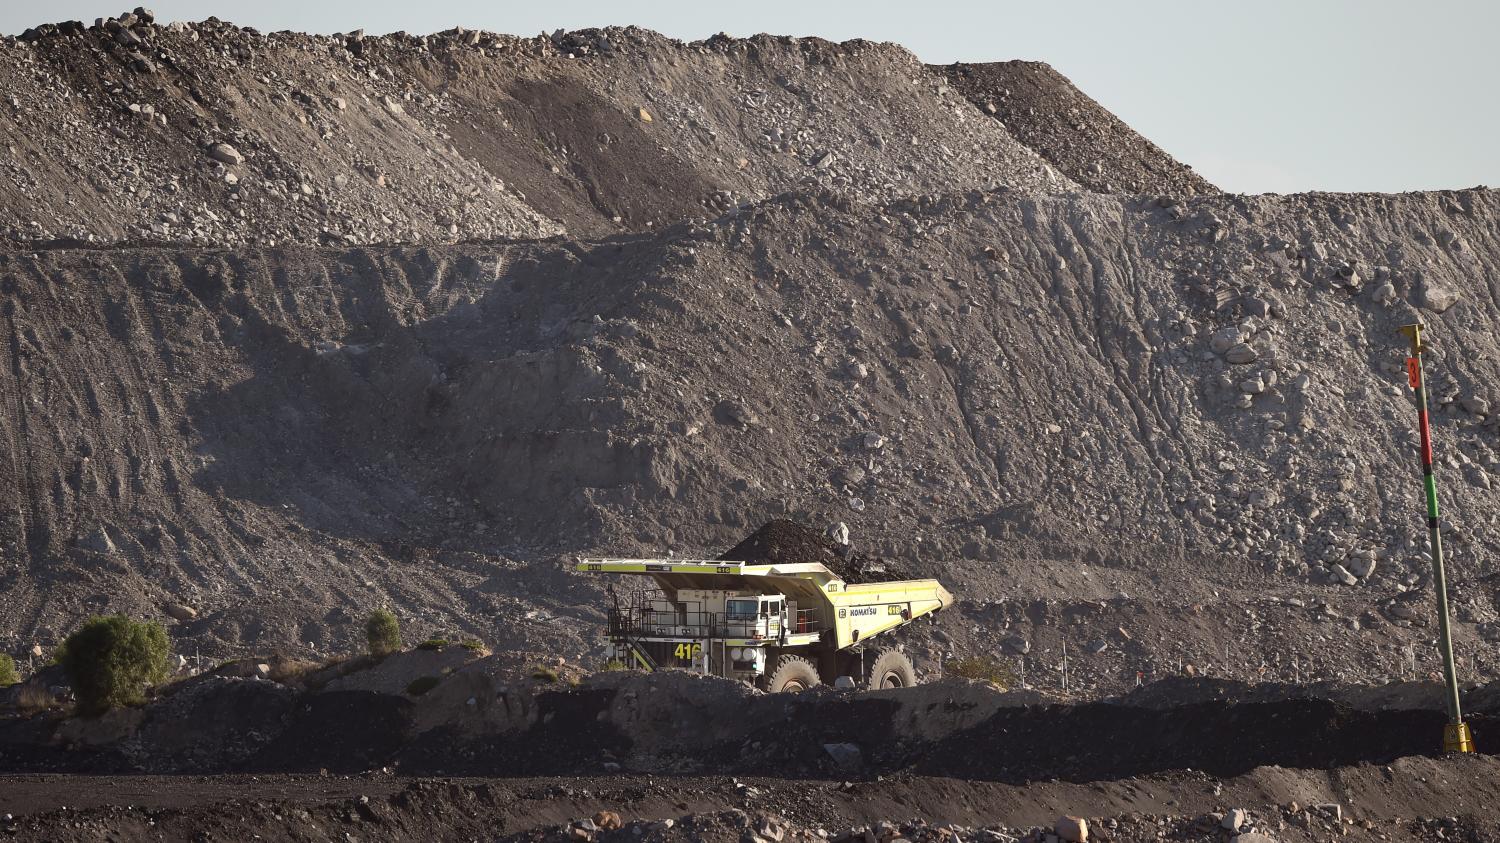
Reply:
x=780, y=627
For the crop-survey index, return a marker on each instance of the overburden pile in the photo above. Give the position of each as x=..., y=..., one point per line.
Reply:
x=701, y=287
x=782, y=541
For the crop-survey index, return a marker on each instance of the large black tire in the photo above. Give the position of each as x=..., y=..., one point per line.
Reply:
x=792, y=674
x=892, y=669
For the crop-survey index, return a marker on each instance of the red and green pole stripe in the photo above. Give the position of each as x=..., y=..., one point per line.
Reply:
x=1456, y=737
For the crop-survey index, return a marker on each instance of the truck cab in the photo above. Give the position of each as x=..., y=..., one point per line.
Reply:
x=721, y=631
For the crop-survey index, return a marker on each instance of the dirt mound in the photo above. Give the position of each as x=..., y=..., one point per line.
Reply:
x=1068, y=128
x=781, y=541
x=210, y=133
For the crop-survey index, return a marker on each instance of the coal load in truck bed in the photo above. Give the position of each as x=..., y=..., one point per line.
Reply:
x=784, y=541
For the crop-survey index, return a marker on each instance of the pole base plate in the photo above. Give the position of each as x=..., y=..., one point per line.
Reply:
x=1456, y=738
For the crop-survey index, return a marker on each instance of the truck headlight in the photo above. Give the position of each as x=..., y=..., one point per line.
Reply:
x=737, y=654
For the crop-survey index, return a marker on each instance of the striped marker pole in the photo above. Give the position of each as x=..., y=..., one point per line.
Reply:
x=1456, y=737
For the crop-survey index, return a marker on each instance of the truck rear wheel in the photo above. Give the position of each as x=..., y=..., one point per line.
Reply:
x=792, y=673
x=892, y=669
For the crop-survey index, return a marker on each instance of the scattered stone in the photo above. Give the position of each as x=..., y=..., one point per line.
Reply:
x=1016, y=645
x=846, y=756
x=180, y=612
x=225, y=154
x=1224, y=340
x=839, y=532
x=734, y=412
x=607, y=820
x=1332, y=810
x=643, y=114
x=1072, y=829
x=1439, y=299
x=1241, y=353
x=1234, y=819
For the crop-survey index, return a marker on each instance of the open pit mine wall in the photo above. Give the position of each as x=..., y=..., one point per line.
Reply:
x=992, y=375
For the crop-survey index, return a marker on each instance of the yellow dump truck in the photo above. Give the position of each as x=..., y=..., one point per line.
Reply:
x=781, y=627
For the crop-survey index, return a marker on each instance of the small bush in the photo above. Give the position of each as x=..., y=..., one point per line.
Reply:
x=433, y=644
x=474, y=645
x=615, y=664
x=8, y=675
x=422, y=685
x=542, y=673
x=383, y=632
x=287, y=670
x=112, y=660
x=981, y=667
x=34, y=697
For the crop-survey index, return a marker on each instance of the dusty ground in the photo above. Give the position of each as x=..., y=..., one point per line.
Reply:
x=1375, y=803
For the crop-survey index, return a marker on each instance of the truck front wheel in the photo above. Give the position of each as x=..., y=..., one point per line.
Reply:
x=892, y=669
x=792, y=673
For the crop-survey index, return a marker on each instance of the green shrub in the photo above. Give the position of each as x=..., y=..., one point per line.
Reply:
x=433, y=644
x=981, y=667
x=615, y=664
x=422, y=685
x=112, y=660
x=542, y=673
x=8, y=675
x=383, y=632
x=474, y=645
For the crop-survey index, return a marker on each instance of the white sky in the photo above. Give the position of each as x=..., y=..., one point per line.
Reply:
x=1258, y=95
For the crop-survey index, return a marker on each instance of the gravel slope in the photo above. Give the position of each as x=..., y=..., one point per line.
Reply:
x=1043, y=110
x=1021, y=394
x=113, y=133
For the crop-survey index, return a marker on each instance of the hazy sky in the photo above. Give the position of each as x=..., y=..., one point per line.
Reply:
x=1258, y=95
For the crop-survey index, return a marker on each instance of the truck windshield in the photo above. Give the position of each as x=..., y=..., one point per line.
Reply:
x=740, y=610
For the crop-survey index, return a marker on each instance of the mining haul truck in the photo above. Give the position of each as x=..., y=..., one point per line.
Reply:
x=780, y=627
